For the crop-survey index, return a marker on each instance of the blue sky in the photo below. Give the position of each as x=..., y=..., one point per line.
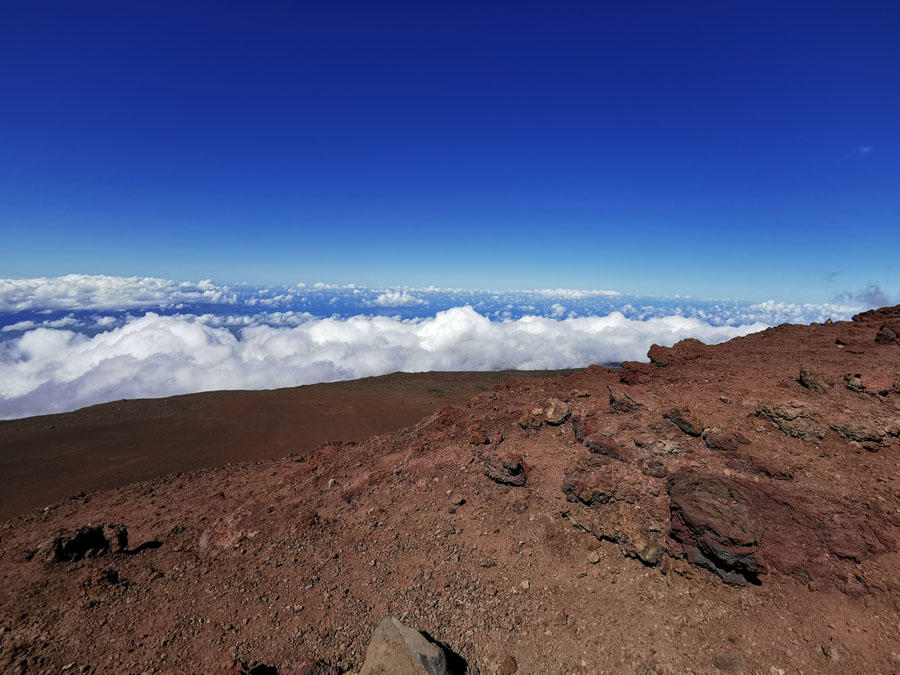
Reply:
x=743, y=150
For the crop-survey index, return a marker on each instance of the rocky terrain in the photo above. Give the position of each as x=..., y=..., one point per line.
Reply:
x=721, y=509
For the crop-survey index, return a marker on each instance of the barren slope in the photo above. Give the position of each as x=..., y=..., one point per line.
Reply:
x=44, y=459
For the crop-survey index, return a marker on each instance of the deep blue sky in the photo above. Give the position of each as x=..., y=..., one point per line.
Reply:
x=745, y=150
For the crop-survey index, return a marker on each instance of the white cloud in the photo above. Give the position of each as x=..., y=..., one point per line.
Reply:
x=21, y=325
x=397, y=299
x=571, y=293
x=787, y=312
x=85, y=291
x=47, y=370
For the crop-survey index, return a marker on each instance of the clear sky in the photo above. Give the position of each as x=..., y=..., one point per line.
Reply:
x=743, y=150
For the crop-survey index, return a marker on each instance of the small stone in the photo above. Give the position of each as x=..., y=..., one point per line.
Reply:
x=654, y=468
x=730, y=662
x=593, y=557
x=831, y=651
x=508, y=666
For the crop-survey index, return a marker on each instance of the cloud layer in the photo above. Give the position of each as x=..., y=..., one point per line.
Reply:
x=85, y=291
x=72, y=341
x=53, y=370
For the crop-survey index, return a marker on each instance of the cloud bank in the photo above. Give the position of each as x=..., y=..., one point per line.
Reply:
x=49, y=370
x=85, y=291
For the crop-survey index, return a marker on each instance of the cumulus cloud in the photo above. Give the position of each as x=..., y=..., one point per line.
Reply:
x=401, y=298
x=52, y=370
x=85, y=291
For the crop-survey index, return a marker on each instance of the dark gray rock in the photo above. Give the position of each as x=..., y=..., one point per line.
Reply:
x=396, y=649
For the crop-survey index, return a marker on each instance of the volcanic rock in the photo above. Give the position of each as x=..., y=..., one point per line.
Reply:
x=684, y=350
x=635, y=372
x=85, y=542
x=685, y=420
x=860, y=430
x=476, y=436
x=794, y=419
x=813, y=381
x=618, y=505
x=556, y=412
x=660, y=356
x=534, y=419
x=608, y=445
x=888, y=333
x=722, y=439
x=654, y=468
x=714, y=522
x=505, y=467
x=621, y=401
x=854, y=383
x=396, y=649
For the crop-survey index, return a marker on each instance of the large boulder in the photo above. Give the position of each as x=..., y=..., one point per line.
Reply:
x=86, y=542
x=396, y=649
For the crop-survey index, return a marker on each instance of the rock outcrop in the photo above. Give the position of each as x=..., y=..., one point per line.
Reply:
x=90, y=541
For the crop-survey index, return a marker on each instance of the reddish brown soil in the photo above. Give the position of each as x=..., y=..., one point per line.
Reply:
x=44, y=459
x=717, y=511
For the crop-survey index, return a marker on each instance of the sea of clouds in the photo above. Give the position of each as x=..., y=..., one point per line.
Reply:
x=68, y=342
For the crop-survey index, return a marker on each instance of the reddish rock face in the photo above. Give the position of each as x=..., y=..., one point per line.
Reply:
x=635, y=372
x=724, y=440
x=685, y=350
x=741, y=529
x=714, y=522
